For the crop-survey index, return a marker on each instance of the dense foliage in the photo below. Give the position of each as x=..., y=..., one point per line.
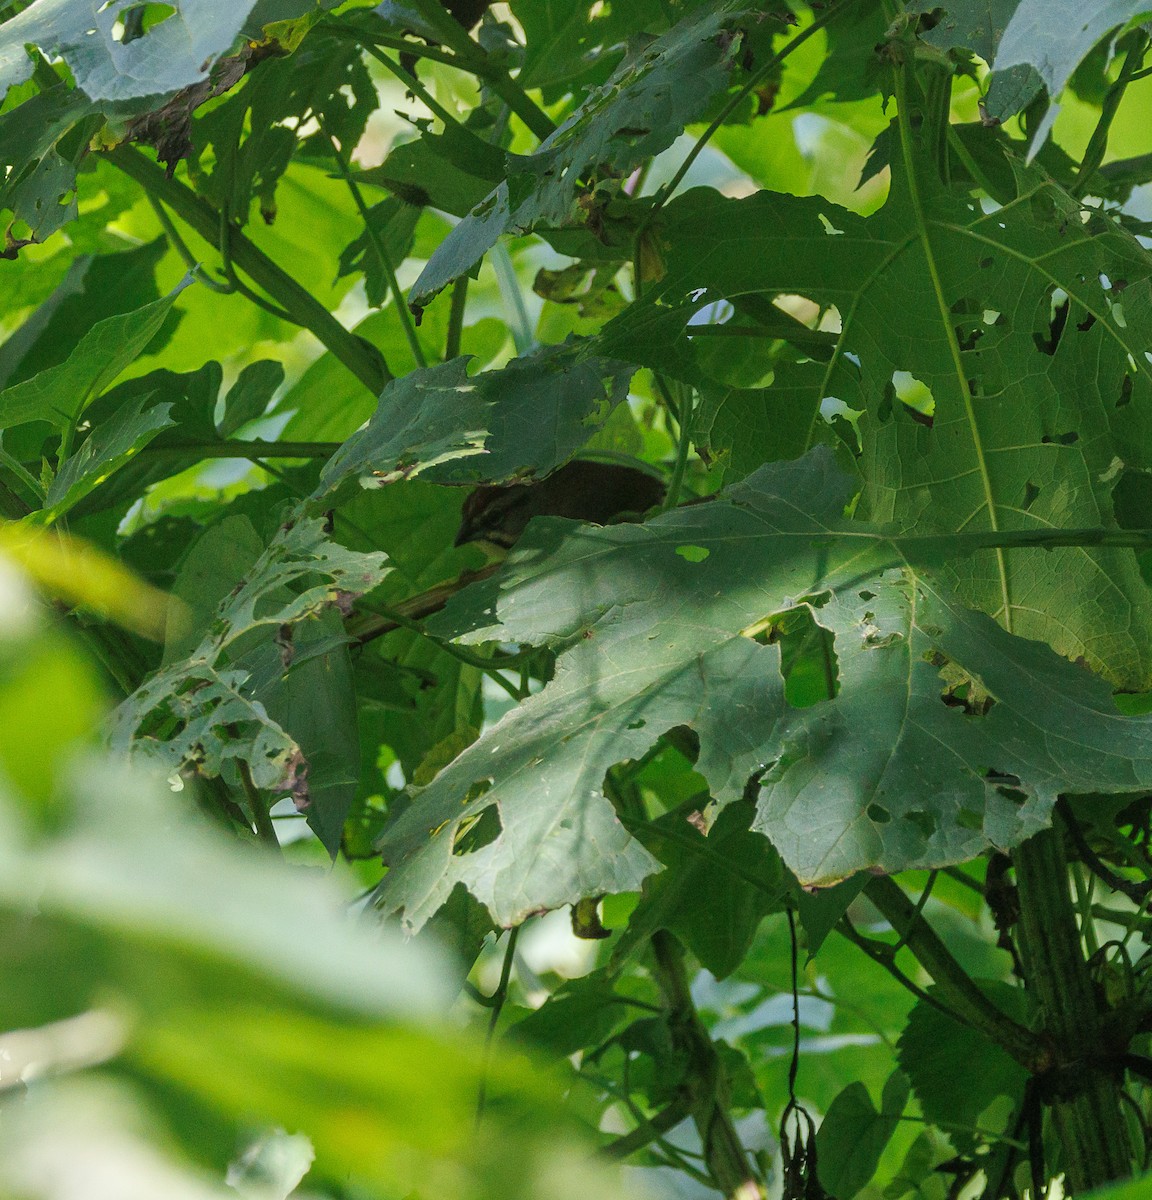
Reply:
x=575, y=590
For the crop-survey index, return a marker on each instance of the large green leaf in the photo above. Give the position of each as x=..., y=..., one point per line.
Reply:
x=439, y=423
x=96, y=286
x=639, y=111
x=947, y=734
x=998, y=359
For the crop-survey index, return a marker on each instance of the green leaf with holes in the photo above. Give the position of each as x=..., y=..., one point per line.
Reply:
x=947, y=735
x=204, y=712
x=106, y=61
x=997, y=362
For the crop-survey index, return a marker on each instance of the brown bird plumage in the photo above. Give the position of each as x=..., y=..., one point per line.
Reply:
x=581, y=490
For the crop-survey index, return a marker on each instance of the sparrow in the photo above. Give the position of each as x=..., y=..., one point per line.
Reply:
x=581, y=490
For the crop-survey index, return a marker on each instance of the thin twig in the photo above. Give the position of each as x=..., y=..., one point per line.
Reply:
x=954, y=983
x=414, y=86
x=920, y=903
x=194, y=266
x=475, y=59
x=650, y=1131
x=366, y=628
x=252, y=450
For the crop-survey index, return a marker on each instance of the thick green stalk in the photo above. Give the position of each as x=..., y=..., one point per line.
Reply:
x=361, y=358
x=956, y=988
x=1082, y=1084
x=725, y=1156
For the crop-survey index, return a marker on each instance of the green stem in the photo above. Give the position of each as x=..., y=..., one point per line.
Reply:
x=235, y=283
x=361, y=358
x=369, y=627
x=649, y=1131
x=975, y=171
x=414, y=86
x=490, y=668
x=683, y=447
x=1084, y=1087
x=988, y=1135
x=253, y=450
x=956, y=988
x=926, y=892
x=24, y=476
x=190, y=261
x=537, y=121
x=1098, y=143
x=882, y=953
x=382, y=255
x=1116, y=916
x=518, y=319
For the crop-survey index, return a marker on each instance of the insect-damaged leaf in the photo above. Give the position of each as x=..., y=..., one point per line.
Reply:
x=106, y=62
x=203, y=712
x=997, y=358
x=947, y=735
